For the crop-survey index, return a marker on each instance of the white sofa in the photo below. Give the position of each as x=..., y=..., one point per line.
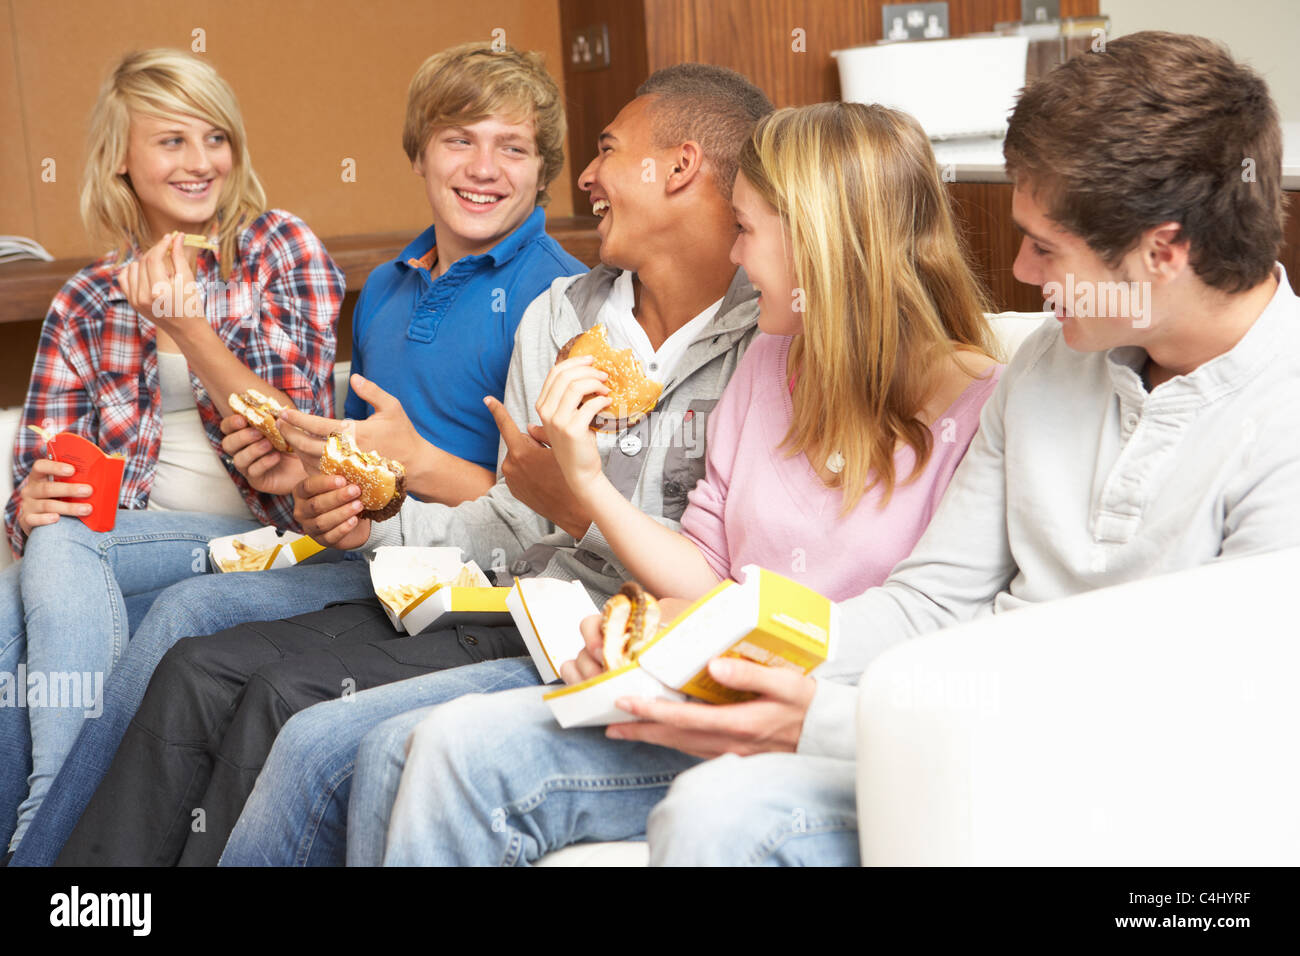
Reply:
x=1011, y=328
x=1150, y=724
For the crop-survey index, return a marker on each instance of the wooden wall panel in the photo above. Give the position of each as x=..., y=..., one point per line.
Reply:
x=318, y=82
x=17, y=184
x=1290, y=257
x=595, y=97
x=755, y=36
x=783, y=45
x=983, y=211
x=984, y=214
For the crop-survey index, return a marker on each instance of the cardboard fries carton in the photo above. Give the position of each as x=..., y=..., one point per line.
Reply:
x=102, y=472
x=401, y=575
x=261, y=550
x=769, y=619
x=547, y=612
x=419, y=587
x=446, y=605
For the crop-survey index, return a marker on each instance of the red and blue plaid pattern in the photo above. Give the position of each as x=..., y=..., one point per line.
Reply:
x=96, y=369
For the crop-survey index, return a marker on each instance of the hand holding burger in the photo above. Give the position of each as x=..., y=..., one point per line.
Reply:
x=387, y=429
x=253, y=455
x=592, y=387
x=328, y=509
x=573, y=393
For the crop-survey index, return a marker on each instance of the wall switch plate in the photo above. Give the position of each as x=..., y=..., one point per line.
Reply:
x=914, y=21
x=589, y=49
x=1040, y=11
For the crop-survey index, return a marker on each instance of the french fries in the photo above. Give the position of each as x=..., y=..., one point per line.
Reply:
x=247, y=558
x=399, y=597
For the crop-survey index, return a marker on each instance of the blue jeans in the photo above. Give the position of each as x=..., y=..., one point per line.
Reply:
x=198, y=606
x=301, y=811
x=493, y=780
x=69, y=620
x=15, y=732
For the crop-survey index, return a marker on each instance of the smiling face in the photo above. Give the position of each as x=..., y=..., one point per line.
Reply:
x=762, y=249
x=622, y=190
x=1098, y=307
x=481, y=180
x=177, y=166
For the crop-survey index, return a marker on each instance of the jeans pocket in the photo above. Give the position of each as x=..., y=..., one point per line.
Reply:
x=482, y=642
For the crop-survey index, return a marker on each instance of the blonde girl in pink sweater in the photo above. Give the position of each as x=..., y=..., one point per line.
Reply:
x=834, y=441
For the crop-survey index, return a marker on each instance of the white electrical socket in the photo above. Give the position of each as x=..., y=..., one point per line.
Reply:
x=1040, y=11
x=914, y=21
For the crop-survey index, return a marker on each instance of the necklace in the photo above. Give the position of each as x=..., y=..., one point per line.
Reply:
x=835, y=463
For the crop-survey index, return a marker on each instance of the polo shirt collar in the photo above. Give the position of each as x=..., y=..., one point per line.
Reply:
x=531, y=228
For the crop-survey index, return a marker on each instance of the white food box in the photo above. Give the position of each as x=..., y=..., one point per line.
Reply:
x=394, y=567
x=769, y=619
x=547, y=613
x=283, y=549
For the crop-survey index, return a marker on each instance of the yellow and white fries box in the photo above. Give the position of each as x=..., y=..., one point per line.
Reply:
x=419, y=587
x=445, y=606
x=769, y=619
x=262, y=550
x=547, y=613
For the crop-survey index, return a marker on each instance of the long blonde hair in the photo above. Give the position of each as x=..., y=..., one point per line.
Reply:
x=888, y=295
x=163, y=82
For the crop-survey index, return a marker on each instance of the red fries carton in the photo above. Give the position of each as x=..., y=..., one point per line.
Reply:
x=102, y=472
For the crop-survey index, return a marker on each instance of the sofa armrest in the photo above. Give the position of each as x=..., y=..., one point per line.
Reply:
x=1148, y=724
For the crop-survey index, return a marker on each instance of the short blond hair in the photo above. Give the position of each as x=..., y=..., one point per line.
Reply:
x=164, y=82
x=470, y=82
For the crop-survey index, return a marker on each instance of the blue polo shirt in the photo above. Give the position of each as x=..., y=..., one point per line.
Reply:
x=442, y=344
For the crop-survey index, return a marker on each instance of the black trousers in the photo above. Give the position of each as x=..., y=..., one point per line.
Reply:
x=190, y=758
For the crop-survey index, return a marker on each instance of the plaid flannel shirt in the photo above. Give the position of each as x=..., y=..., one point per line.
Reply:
x=96, y=369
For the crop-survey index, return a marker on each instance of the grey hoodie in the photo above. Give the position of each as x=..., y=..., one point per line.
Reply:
x=655, y=464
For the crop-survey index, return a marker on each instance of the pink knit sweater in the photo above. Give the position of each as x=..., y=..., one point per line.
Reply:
x=755, y=505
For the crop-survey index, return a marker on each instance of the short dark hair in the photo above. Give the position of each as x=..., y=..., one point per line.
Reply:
x=711, y=105
x=1158, y=127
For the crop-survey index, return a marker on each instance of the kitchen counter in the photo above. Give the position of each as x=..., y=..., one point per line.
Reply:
x=981, y=162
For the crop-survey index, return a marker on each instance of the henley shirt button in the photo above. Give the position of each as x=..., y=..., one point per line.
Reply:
x=1130, y=421
x=630, y=444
